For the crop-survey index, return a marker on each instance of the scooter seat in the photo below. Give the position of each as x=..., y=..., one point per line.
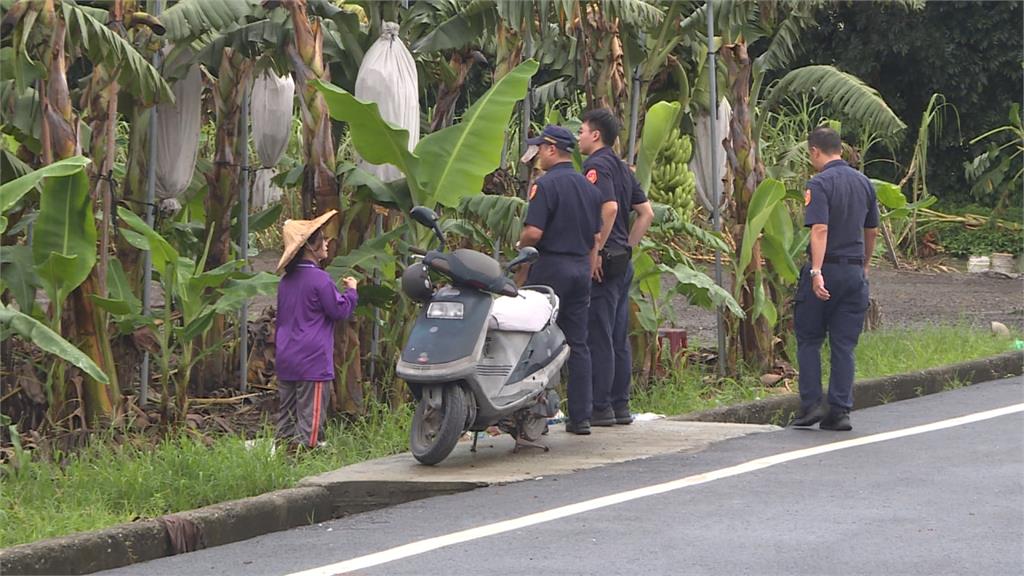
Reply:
x=530, y=311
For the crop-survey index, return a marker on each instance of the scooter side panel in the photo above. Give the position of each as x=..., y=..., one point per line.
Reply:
x=543, y=346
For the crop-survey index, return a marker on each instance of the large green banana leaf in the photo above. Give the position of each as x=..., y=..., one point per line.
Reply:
x=12, y=191
x=454, y=161
x=39, y=334
x=845, y=92
x=658, y=124
x=767, y=195
x=64, y=243
x=374, y=138
x=701, y=290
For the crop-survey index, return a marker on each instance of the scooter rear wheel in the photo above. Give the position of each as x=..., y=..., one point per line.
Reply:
x=435, y=432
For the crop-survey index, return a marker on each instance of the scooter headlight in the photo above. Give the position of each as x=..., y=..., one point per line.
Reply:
x=446, y=310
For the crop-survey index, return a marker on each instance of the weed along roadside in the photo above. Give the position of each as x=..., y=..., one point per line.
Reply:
x=268, y=504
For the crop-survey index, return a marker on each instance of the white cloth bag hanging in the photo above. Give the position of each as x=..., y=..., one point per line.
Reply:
x=272, y=102
x=387, y=76
x=177, y=136
x=700, y=164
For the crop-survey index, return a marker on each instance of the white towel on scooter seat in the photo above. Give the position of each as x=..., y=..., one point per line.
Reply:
x=527, y=312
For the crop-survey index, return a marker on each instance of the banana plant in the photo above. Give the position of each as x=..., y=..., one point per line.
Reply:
x=193, y=298
x=446, y=165
x=60, y=259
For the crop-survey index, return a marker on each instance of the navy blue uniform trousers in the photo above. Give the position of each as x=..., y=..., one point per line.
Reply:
x=611, y=357
x=569, y=277
x=842, y=318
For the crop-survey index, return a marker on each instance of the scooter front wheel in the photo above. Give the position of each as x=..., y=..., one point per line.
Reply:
x=438, y=423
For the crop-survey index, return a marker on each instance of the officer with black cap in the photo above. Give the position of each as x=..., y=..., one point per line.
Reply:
x=832, y=294
x=608, y=330
x=563, y=221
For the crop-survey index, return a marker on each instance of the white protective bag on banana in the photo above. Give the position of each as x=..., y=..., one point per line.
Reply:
x=177, y=137
x=273, y=98
x=387, y=76
x=701, y=161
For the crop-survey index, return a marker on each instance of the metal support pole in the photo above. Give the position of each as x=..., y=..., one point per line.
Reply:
x=634, y=112
x=243, y=242
x=716, y=178
x=378, y=229
x=155, y=8
x=524, y=130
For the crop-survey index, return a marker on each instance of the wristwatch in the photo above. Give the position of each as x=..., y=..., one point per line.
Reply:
x=814, y=272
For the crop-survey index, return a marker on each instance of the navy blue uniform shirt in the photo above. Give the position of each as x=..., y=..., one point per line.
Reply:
x=615, y=181
x=843, y=199
x=567, y=208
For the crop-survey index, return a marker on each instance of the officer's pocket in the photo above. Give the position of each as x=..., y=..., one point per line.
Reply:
x=865, y=294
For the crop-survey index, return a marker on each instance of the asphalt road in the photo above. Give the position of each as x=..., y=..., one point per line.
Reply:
x=942, y=501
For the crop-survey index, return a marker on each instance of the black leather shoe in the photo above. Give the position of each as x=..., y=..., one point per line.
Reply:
x=811, y=418
x=581, y=428
x=604, y=417
x=623, y=416
x=838, y=420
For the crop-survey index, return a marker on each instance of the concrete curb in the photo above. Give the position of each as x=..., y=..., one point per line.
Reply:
x=872, y=392
x=150, y=539
x=313, y=502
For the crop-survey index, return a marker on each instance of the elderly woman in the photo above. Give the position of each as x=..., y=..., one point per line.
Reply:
x=308, y=305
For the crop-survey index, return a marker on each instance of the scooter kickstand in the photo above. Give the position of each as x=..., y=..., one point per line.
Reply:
x=476, y=435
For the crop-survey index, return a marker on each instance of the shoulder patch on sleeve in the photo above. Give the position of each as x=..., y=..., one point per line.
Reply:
x=533, y=191
x=807, y=197
x=592, y=176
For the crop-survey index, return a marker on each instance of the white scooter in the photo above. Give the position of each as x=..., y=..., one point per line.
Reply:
x=481, y=353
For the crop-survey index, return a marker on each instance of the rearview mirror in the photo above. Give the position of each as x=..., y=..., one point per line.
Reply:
x=424, y=216
x=526, y=254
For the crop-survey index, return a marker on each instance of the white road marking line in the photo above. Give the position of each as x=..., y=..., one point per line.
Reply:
x=430, y=544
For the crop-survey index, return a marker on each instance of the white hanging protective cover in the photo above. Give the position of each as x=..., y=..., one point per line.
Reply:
x=177, y=136
x=272, y=100
x=265, y=192
x=701, y=161
x=387, y=76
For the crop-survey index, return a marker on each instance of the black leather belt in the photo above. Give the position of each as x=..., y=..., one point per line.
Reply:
x=843, y=260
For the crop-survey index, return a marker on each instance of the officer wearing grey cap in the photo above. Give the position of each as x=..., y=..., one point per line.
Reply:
x=563, y=221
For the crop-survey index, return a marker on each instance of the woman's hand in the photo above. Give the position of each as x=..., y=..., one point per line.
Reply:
x=350, y=282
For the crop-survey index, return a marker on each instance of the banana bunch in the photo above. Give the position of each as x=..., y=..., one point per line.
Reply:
x=672, y=182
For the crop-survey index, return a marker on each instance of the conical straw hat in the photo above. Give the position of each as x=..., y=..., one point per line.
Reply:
x=296, y=232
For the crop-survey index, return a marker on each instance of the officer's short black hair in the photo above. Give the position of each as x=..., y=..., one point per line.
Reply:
x=605, y=122
x=825, y=139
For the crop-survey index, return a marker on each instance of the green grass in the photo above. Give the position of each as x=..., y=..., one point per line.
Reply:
x=880, y=353
x=109, y=483
x=887, y=352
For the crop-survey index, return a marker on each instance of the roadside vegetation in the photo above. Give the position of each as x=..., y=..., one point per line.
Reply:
x=117, y=479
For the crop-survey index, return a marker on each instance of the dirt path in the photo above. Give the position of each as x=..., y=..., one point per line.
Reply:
x=908, y=299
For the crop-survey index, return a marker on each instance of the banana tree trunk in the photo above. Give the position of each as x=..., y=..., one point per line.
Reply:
x=751, y=337
x=319, y=183
x=100, y=100
x=234, y=77
x=87, y=326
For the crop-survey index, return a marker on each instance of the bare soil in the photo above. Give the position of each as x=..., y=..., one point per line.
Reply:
x=940, y=293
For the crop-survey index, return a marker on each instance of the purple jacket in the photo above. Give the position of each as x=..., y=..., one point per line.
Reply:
x=308, y=305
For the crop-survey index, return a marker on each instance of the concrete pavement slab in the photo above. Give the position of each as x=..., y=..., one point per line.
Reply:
x=400, y=478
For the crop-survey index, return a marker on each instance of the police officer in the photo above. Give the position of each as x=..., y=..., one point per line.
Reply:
x=611, y=357
x=832, y=294
x=563, y=221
